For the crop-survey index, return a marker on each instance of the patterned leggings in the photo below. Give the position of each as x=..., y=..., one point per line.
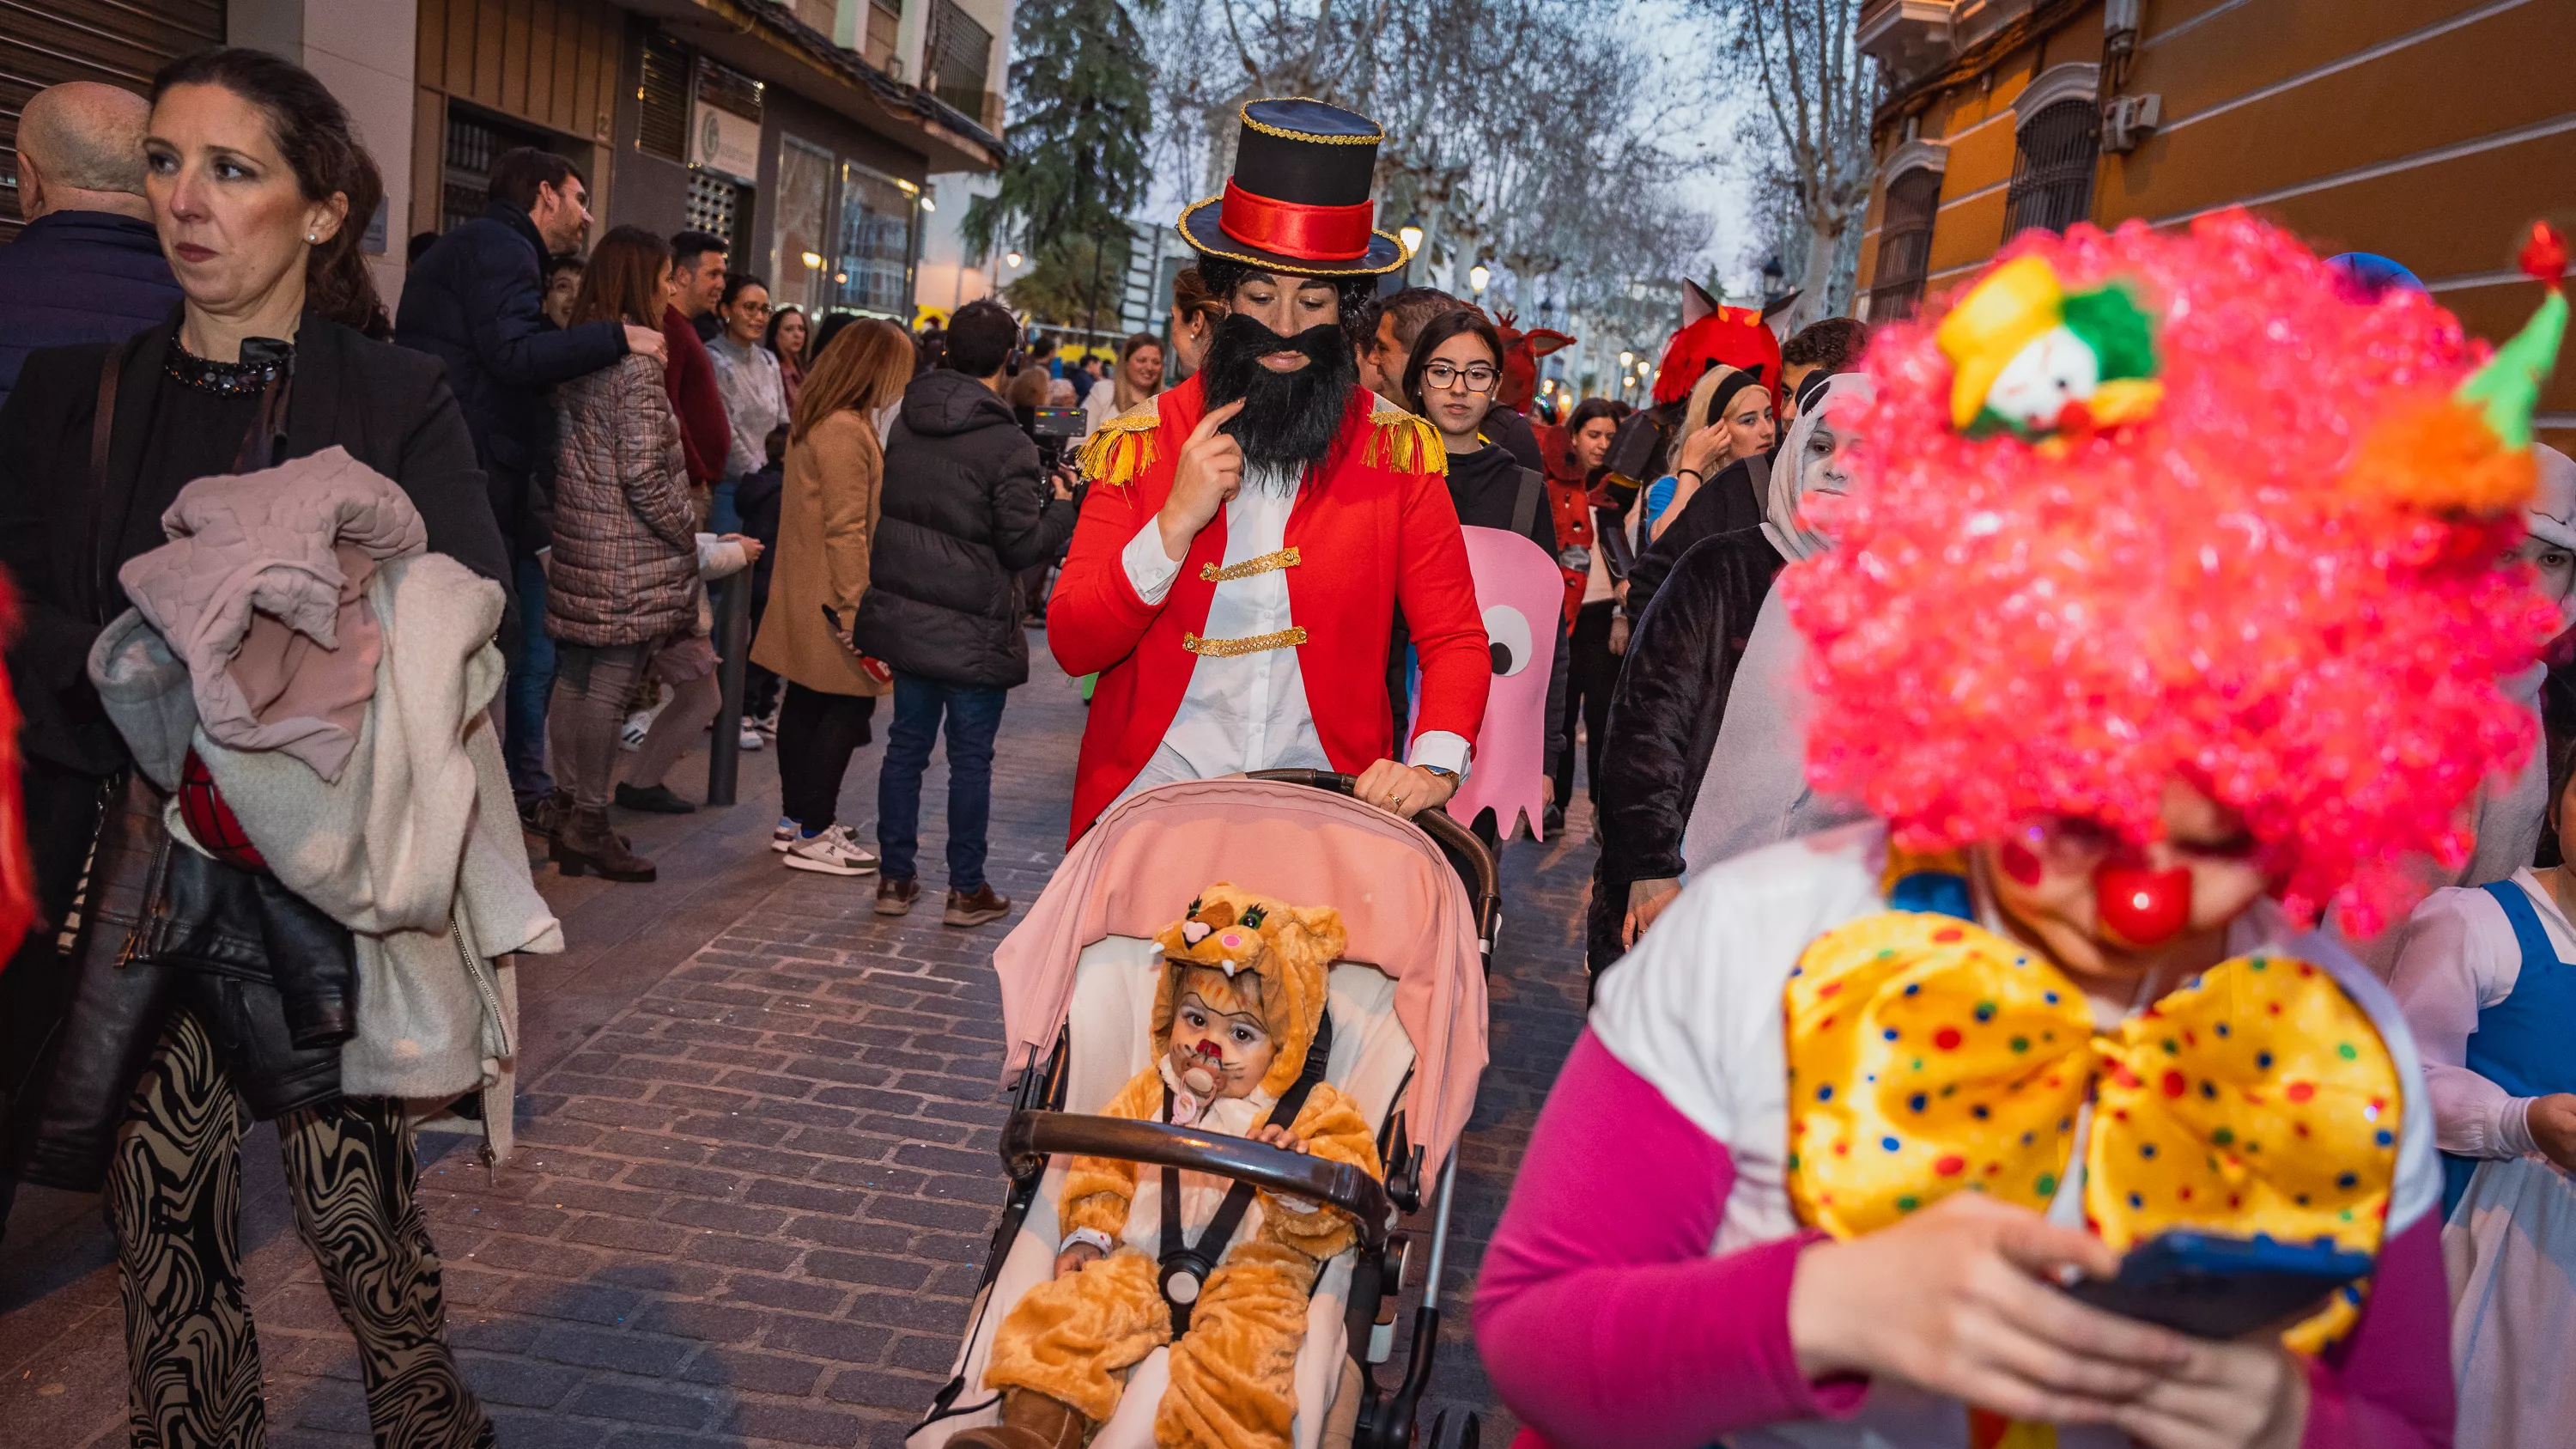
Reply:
x=174, y=1201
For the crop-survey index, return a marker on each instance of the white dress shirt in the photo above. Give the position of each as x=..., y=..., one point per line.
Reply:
x=1246, y=711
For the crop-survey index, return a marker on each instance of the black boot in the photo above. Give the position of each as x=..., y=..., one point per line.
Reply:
x=1030, y=1420
x=586, y=846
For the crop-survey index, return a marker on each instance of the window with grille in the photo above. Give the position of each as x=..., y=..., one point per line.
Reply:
x=662, y=122
x=1904, y=243
x=465, y=177
x=715, y=206
x=957, y=58
x=2052, y=184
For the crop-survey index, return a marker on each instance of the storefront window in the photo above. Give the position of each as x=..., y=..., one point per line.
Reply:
x=873, y=270
x=801, y=273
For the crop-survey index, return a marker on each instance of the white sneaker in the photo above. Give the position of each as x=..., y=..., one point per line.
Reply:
x=783, y=835
x=834, y=852
x=750, y=739
x=631, y=737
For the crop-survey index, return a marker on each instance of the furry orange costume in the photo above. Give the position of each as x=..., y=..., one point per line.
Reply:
x=1072, y=1339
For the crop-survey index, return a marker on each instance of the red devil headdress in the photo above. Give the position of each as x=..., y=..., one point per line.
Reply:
x=1712, y=334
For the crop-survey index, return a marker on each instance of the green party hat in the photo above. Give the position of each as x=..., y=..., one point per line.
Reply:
x=2507, y=389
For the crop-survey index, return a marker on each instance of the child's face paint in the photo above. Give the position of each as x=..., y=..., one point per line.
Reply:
x=1230, y=1048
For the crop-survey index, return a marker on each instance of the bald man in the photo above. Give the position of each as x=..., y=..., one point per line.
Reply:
x=88, y=266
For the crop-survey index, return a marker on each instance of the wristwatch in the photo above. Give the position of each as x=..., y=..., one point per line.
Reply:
x=1443, y=771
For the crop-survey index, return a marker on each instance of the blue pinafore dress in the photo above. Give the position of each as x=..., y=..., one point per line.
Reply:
x=2509, y=1235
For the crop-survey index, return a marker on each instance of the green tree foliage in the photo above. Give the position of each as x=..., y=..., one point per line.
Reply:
x=1073, y=281
x=1081, y=107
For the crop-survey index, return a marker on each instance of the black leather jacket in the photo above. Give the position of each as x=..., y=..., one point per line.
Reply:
x=271, y=978
x=1664, y=717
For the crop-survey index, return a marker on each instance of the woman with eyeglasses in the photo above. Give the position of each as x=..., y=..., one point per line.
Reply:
x=1452, y=379
x=755, y=397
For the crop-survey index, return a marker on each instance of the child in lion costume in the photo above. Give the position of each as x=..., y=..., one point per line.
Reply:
x=1238, y=1009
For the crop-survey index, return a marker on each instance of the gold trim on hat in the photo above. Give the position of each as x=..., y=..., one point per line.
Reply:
x=1286, y=558
x=1243, y=113
x=1228, y=648
x=1283, y=263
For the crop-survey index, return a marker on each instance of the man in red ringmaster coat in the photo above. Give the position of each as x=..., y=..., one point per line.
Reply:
x=1249, y=535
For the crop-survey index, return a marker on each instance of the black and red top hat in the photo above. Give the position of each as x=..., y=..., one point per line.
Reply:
x=1298, y=201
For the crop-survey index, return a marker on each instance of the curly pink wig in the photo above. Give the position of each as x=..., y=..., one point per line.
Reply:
x=2010, y=631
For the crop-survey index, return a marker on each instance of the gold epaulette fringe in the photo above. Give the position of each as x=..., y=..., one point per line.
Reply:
x=1122, y=448
x=1403, y=442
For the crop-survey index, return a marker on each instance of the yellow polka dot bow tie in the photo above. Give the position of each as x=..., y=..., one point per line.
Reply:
x=1928, y=1054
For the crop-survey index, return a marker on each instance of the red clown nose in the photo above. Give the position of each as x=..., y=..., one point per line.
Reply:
x=2140, y=906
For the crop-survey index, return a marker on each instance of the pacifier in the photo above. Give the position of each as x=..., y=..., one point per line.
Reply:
x=1200, y=1076
x=2140, y=906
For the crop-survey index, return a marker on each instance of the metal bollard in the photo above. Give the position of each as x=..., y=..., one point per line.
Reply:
x=732, y=601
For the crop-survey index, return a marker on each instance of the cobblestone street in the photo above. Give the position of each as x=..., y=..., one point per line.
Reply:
x=756, y=1174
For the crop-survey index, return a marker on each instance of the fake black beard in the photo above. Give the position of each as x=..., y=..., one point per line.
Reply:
x=1289, y=419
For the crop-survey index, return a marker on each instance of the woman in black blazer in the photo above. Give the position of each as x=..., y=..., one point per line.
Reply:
x=197, y=984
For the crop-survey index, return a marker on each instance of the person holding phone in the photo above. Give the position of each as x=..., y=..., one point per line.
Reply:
x=827, y=522
x=1854, y=1116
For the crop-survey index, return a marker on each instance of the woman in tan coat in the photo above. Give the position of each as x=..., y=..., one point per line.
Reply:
x=827, y=521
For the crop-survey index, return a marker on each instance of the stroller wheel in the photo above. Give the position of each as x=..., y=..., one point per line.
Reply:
x=1465, y=1433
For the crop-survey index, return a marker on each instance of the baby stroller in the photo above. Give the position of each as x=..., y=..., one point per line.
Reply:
x=1407, y=1032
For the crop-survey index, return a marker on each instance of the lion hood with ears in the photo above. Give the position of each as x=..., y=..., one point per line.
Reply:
x=1291, y=948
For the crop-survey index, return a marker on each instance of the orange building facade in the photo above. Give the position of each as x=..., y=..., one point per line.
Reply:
x=2432, y=132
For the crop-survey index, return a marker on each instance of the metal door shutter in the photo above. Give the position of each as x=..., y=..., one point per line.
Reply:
x=120, y=42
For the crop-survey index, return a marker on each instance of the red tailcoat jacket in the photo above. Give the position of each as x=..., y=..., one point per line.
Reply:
x=1373, y=529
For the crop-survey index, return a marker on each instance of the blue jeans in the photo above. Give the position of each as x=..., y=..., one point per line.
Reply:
x=974, y=717
x=531, y=687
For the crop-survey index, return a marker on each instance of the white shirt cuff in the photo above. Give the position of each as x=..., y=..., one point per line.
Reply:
x=1439, y=749
x=2513, y=1127
x=1094, y=1236
x=1149, y=570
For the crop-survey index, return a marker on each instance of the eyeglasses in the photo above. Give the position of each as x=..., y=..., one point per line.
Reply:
x=1474, y=377
x=752, y=309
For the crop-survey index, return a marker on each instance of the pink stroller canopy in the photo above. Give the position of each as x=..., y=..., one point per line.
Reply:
x=1402, y=903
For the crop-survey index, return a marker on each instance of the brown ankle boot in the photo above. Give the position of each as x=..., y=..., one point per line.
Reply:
x=1030, y=1420
x=587, y=846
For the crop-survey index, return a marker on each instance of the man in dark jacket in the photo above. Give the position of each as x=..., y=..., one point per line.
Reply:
x=476, y=301
x=88, y=267
x=966, y=506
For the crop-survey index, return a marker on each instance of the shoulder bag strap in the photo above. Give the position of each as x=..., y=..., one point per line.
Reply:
x=1525, y=507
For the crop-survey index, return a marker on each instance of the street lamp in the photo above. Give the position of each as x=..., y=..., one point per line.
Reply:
x=1411, y=235
x=1477, y=276
x=1011, y=260
x=1627, y=360
x=1775, y=278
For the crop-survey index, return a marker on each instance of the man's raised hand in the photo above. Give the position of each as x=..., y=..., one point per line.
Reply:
x=1209, y=473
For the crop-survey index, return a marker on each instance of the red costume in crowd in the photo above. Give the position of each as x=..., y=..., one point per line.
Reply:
x=1373, y=530
x=1568, y=500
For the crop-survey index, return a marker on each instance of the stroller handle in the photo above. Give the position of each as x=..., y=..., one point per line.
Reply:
x=1453, y=837
x=1030, y=1137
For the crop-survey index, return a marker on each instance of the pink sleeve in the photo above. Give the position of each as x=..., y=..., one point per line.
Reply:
x=1599, y=1312
x=2388, y=1386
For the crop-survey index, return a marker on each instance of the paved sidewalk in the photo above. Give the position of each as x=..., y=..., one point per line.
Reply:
x=756, y=1175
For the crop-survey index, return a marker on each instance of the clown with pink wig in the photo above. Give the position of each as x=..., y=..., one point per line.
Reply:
x=2037, y=1110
